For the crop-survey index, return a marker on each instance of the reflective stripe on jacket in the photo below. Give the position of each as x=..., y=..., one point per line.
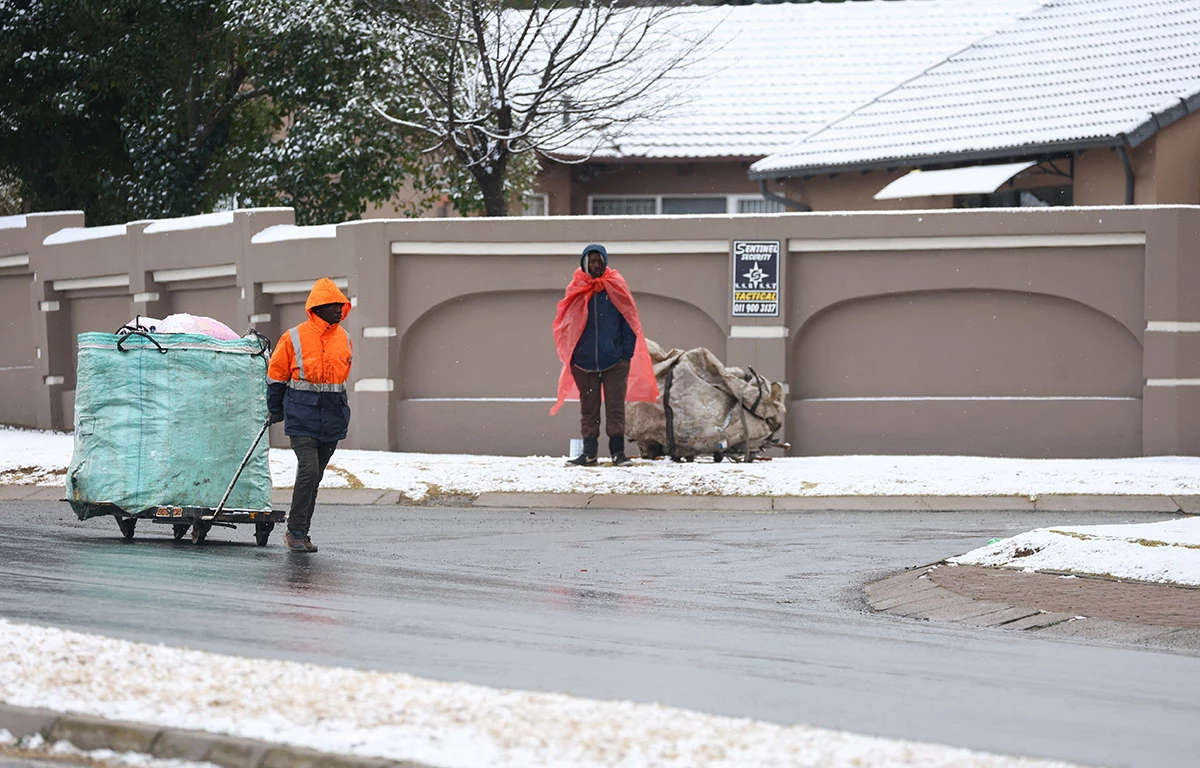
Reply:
x=309, y=369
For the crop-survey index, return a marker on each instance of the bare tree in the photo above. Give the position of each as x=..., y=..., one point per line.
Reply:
x=494, y=87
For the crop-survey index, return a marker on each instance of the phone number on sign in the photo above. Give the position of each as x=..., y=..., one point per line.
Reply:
x=755, y=307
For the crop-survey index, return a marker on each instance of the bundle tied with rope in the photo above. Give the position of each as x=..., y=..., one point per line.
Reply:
x=706, y=408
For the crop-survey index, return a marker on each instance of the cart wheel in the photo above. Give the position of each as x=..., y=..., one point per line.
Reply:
x=127, y=524
x=262, y=532
x=179, y=531
x=718, y=456
x=199, y=531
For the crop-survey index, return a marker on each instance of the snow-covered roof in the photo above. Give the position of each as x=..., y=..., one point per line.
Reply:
x=776, y=73
x=1070, y=74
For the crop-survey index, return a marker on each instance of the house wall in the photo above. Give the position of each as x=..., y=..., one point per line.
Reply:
x=1177, y=163
x=655, y=178
x=1042, y=332
x=831, y=192
x=1100, y=176
x=1166, y=172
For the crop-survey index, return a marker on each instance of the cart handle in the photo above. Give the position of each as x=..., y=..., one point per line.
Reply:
x=238, y=474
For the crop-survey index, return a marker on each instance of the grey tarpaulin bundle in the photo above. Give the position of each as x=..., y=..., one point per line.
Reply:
x=706, y=409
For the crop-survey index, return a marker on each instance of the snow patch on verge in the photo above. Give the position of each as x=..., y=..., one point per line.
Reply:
x=402, y=717
x=1165, y=553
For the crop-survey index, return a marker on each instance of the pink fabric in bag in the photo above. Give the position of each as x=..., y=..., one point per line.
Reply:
x=185, y=323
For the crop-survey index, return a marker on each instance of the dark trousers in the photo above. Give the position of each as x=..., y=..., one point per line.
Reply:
x=613, y=381
x=311, y=458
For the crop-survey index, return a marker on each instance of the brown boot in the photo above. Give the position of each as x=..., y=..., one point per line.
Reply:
x=295, y=541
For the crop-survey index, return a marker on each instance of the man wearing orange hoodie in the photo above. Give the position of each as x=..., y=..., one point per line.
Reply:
x=306, y=390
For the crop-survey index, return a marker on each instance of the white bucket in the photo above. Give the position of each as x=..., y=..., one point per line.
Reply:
x=576, y=448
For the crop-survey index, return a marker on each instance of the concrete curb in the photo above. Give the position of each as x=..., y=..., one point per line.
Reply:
x=1050, y=503
x=1162, y=503
x=90, y=733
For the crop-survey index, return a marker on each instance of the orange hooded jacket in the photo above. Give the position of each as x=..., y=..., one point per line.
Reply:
x=309, y=369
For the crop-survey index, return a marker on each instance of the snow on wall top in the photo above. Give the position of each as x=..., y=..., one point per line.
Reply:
x=1071, y=71
x=218, y=219
x=779, y=72
x=281, y=232
x=12, y=222
x=79, y=234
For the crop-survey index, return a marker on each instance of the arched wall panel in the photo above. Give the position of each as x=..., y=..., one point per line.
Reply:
x=965, y=372
x=501, y=344
x=964, y=344
x=17, y=354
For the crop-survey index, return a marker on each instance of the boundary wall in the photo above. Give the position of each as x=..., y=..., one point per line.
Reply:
x=1063, y=332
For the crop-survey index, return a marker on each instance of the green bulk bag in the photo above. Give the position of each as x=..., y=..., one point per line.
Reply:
x=165, y=420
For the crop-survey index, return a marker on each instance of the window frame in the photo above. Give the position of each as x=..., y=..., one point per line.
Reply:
x=543, y=197
x=732, y=203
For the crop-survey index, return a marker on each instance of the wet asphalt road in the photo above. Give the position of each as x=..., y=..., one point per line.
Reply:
x=741, y=614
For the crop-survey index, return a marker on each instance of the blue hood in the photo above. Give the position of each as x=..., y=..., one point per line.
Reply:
x=588, y=249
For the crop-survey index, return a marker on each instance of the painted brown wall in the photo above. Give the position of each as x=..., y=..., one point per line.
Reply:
x=1039, y=332
x=1177, y=167
x=18, y=352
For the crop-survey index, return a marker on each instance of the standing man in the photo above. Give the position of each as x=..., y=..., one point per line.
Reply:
x=599, y=340
x=307, y=391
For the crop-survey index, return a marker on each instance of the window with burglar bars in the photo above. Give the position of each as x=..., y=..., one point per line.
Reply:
x=646, y=205
x=624, y=206
x=758, y=205
x=536, y=205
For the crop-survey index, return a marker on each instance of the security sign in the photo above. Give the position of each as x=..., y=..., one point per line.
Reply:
x=756, y=278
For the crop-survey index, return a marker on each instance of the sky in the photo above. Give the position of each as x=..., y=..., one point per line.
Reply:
x=459, y=725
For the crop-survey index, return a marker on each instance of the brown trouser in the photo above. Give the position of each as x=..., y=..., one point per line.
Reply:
x=613, y=381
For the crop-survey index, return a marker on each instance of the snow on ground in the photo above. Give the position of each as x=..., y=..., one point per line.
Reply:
x=1162, y=552
x=398, y=716
x=28, y=456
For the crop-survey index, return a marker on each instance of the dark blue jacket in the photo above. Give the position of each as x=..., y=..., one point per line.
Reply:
x=607, y=339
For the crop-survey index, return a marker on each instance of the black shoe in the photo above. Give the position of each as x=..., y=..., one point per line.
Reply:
x=583, y=460
x=620, y=460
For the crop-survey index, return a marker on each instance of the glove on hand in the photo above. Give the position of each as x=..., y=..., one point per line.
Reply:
x=276, y=417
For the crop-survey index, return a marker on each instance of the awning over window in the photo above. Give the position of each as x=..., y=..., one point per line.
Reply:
x=975, y=180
